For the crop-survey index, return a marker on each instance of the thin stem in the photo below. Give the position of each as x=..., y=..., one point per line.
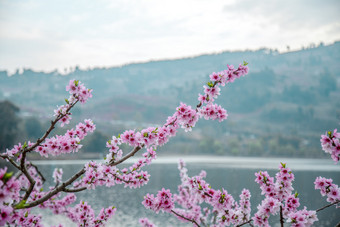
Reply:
x=38, y=171
x=10, y=160
x=132, y=153
x=191, y=220
x=74, y=189
x=247, y=222
x=281, y=217
x=322, y=208
x=215, y=217
x=203, y=223
x=28, y=176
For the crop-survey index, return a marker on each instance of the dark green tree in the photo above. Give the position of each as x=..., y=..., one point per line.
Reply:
x=9, y=122
x=33, y=128
x=96, y=143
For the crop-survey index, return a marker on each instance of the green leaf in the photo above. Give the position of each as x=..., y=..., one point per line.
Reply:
x=66, y=100
x=41, y=189
x=245, y=63
x=25, y=145
x=210, y=84
x=145, y=134
x=296, y=194
x=26, y=214
x=118, y=136
x=283, y=165
x=329, y=134
x=109, y=141
x=7, y=176
x=21, y=204
x=76, y=82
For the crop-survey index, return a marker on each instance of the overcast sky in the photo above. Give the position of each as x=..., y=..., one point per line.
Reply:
x=48, y=35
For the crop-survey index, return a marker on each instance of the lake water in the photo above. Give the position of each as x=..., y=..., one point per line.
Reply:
x=233, y=174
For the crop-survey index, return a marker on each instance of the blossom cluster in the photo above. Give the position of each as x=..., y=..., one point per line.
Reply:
x=146, y=222
x=78, y=92
x=56, y=145
x=70, y=142
x=328, y=188
x=330, y=143
x=225, y=211
x=83, y=215
x=192, y=193
x=99, y=174
x=162, y=202
x=278, y=195
x=10, y=187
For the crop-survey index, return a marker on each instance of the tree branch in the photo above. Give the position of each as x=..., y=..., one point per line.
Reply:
x=74, y=189
x=322, y=208
x=248, y=222
x=193, y=221
x=56, y=190
x=132, y=153
x=38, y=171
x=10, y=160
x=281, y=217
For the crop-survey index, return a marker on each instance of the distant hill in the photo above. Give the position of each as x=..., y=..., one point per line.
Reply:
x=279, y=109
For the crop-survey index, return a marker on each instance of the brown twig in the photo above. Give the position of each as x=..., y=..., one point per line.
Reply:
x=132, y=153
x=322, y=208
x=247, y=222
x=281, y=217
x=38, y=171
x=191, y=220
x=10, y=160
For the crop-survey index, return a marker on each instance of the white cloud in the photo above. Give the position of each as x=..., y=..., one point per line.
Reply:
x=54, y=34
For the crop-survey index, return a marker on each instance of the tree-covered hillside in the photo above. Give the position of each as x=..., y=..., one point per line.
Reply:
x=279, y=109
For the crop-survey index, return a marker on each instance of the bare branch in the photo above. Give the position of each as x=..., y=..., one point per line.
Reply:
x=28, y=176
x=38, y=171
x=329, y=205
x=247, y=222
x=70, y=190
x=10, y=160
x=132, y=153
x=191, y=220
x=281, y=217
